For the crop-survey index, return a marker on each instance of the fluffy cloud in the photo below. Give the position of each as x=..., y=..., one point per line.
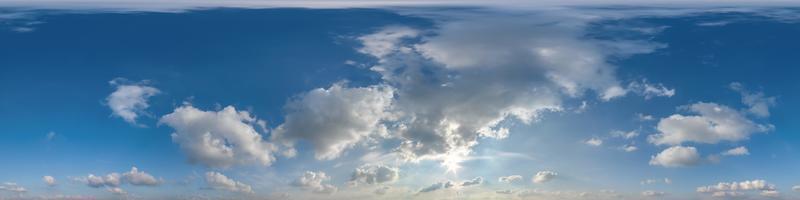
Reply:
x=49, y=180
x=725, y=189
x=738, y=151
x=12, y=187
x=796, y=188
x=509, y=179
x=375, y=174
x=629, y=148
x=459, y=84
x=313, y=181
x=544, y=176
x=113, y=181
x=677, y=156
x=135, y=177
x=757, y=102
x=651, y=193
x=129, y=100
x=219, y=138
x=335, y=118
x=594, y=142
x=712, y=124
x=217, y=181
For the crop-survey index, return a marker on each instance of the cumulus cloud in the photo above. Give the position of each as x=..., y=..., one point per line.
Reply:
x=594, y=142
x=757, y=102
x=219, y=138
x=335, y=118
x=129, y=100
x=732, y=189
x=49, y=180
x=136, y=177
x=509, y=179
x=12, y=187
x=712, y=124
x=313, y=181
x=476, y=71
x=544, y=176
x=738, y=151
x=218, y=181
x=676, y=156
x=113, y=181
x=375, y=174
x=651, y=193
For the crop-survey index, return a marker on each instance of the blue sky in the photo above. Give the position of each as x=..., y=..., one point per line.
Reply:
x=452, y=101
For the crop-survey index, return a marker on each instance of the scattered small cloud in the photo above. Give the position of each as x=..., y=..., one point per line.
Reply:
x=544, y=176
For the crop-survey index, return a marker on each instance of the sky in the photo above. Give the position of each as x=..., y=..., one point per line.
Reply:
x=399, y=100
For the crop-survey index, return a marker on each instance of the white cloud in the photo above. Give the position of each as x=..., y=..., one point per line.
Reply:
x=654, y=181
x=218, y=181
x=136, y=177
x=544, y=176
x=594, y=142
x=796, y=188
x=385, y=41
x=12, y=187
x=676, y=156
x=461, y=82
x=731, y=189
x=335, y=118
x=738, y=151
x=219, y=138
x=770, y=193
x=116, y=191
x=313, y=181
x=49, y=180
x=644, y=117
x=651, y=193
x=625, y=135
x=712, y=124
x=629, y=148
x=111, y=180
x=375, y=174
x=757, y=102
x=129, y=100
x=509, y=179
x=650, y=90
